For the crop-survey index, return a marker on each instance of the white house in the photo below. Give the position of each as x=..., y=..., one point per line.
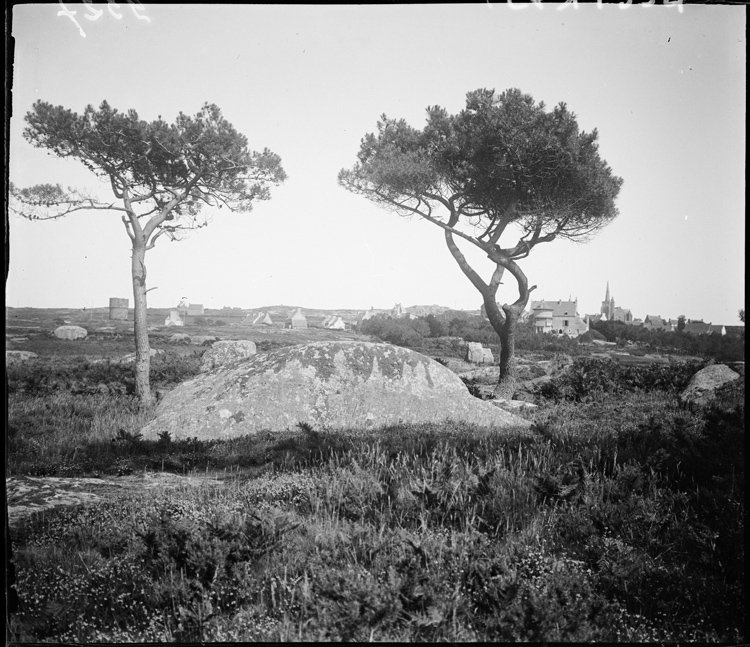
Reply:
x=558, y=318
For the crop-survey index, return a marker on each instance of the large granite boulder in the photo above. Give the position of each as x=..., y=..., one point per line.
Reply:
x=330, y=385
x=703, y=385
x=70, y=332
x=223, y=353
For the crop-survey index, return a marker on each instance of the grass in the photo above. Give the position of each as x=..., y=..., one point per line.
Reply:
x=410, y=533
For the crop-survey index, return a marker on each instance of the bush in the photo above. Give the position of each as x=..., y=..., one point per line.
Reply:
x=79, y=375
x=394, y=331
x=726, y=348
x=588, y=378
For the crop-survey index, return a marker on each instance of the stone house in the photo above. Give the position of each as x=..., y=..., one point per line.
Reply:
x=701, y=328
x=334, y=323
x=558, y=318
x=655, y=322
x=262, y=318
x=296, y=320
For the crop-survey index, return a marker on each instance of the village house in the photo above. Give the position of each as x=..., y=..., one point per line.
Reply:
x=701, y=328
x=655, y=322
x=735, y=331
x=296, y=320
x=334, y=322
x=262, y=318
x=558, y=318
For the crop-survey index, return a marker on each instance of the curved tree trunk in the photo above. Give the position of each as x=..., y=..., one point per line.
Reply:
x=140, y=326
x=506, y=384
x=503, y=321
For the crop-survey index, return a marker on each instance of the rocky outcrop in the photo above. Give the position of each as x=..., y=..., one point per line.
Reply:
x=70, y=332
x=223, y=353
x=703, y=385
x=477, y=354
x=18, y=356
x=329, y=385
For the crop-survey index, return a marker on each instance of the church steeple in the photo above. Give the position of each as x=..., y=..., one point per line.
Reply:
x=606, y=298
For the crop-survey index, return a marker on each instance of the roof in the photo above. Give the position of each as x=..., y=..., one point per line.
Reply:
x=655, y=320
x=697, y=327
x=559, y=308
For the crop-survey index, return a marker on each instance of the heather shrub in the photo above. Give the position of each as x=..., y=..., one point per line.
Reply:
x=399, y=332
x=589, y=378
x=81, y=375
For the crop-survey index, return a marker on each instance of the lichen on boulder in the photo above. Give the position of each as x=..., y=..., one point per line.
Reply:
x=223, y=353
x=329, y=385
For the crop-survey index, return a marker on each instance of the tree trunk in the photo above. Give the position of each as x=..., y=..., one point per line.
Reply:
x=140, y=326
x=506, y=384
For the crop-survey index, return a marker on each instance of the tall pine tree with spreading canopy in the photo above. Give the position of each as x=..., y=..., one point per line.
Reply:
x=164, y=178
x=504, y=175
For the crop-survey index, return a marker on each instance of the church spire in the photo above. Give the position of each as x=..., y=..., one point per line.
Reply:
x=606, y=298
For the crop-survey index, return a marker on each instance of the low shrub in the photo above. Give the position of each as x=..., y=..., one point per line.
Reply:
x=588, y=378
x=81, y=375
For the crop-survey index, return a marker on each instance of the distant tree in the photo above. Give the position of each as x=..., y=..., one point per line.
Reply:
x=162, y=177
x=681, y=322
x=420, y=326
x=742, y=315
x=438, y=327
x=503, y=165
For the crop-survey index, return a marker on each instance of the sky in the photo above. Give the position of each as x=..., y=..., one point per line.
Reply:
x=663, y=85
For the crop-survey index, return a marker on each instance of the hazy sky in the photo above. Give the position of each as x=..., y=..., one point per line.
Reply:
x=664, y=87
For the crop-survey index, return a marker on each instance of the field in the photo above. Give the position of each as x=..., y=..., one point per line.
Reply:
x=620, y=520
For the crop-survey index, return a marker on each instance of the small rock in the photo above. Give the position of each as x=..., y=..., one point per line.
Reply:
x=702, y=387
x=70, y=332
x=477, y=354
x=18, y=356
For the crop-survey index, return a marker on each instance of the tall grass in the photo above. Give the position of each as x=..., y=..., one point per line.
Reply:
x=435, y=532
x=415, y=533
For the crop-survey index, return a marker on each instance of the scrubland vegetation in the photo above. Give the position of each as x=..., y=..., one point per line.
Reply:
x=424, y=332
x=621, y=519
